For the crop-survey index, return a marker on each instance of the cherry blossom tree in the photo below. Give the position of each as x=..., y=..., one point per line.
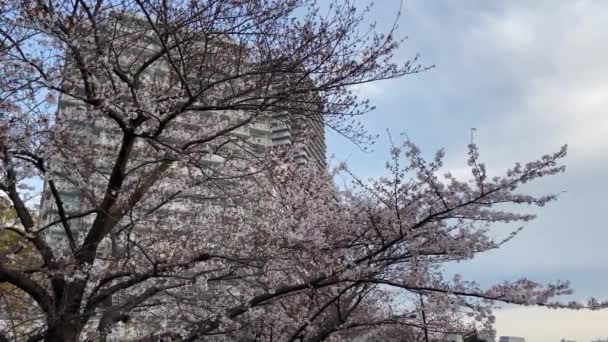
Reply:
x=187, y=230
x=13, y=301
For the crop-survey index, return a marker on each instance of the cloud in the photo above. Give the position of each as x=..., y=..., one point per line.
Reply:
x=530, y=76
x=545, y=325
x=372, y=90
x=553, y=53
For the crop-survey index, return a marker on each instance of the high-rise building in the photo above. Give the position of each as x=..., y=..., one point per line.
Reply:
x=286, y=130
x=79, y=176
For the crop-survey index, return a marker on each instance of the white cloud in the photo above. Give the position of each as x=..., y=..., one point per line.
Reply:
x=554, y=52
x=544, y=325
x=530, y=76
x=372, y=90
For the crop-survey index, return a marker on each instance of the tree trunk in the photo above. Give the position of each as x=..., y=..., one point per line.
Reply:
x=64, y=331
x=67, y=322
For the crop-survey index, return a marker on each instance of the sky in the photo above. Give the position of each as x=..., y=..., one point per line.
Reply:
x=529, y=76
